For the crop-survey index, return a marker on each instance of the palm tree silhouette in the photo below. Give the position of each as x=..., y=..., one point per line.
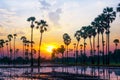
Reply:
x=116, y=41
x=101, y=29
x=77, y=36
x=23, y=38
x=84, y=36
x=67, y=41
x=16, y=51
x=10, y=38
x=1, y=46
x=109, y=16
x=90, y=33
x=81, y=46
x=61, y=50
x=97, y=25
x=42, y=25
x=14, y=36
x=94, y=35
x=53, y=54
x=118, y=8
x=103, y=44
x=31, y=19
x=74, y=44
x=6, y=41
x=27, y=50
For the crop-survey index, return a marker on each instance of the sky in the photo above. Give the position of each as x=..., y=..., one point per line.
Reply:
x=62, y=16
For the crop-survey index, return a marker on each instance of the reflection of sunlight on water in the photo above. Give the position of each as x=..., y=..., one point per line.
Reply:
x=16, y=73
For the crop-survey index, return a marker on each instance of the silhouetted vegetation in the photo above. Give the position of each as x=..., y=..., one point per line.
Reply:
x=99, y=27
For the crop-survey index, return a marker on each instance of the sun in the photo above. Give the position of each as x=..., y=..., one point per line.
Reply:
x=50, y=48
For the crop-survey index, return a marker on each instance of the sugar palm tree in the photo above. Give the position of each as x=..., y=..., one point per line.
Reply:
x=61, y=50
x=84, y=36
x=42, y=26
x=116, y=41
x=23, y=38
x=96, y=24
x=103, y=44
x=27, y=42
x=1, y=46
x=10, y=36
x=81, y=46
x=94, y=35
x=90, y=34
x=118, y=8
x=109, y=16
x=16, y=51
x=102, y=30
x=67, y=41
x=31, y=19
x=74, y=44
x=99, y=25
x=53, y=54
x=77, y=36
x=14, y=36
x=6, y=41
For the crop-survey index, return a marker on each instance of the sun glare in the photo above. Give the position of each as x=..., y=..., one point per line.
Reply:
x=50, y=48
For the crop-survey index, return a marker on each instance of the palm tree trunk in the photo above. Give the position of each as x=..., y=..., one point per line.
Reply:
x=74, y=53
x=94, y=49
x=25, y=54
x=84, y=53
x=98, y=51
x=91, y=50
x=103, y=48
x=10, y=53
x=108, y=47
x=23, y=50
x=0, y=52
x=14, y=47
x=62, y=57
x=116, y=47
x=67, y=54
x=3, y=52
x=31, y=47
x=77, y=53
x=7, y=51
x=81, y=59
x=39, y=51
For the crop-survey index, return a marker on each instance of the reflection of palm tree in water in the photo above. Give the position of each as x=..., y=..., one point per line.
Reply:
x=92, y=71
x=83, y=70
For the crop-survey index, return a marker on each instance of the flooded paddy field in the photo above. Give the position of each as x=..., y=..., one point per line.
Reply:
x=59, y=73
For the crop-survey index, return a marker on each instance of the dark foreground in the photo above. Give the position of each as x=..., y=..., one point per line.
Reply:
x=58, y=72
x=60, y=76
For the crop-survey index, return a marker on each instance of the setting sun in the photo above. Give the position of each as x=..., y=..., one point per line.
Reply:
x=50, y=48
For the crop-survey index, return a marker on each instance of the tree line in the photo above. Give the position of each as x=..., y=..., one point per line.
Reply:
x=99, y=27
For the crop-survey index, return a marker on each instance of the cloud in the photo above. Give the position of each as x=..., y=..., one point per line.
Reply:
x=52, y=11
x=5, y=11
x=44, y=5
x=6, y=16
x=55, y=16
